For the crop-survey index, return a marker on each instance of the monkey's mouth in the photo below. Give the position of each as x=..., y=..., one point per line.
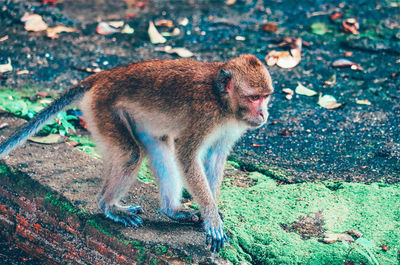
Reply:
x=255, y=124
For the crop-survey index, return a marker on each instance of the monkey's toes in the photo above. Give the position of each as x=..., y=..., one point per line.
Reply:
x=131, y=220
x=132, y=209
x=182, y=216
x=216, y=237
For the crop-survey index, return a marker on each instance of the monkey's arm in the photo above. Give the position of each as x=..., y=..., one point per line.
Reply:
x=198, y=186
x=214, y=164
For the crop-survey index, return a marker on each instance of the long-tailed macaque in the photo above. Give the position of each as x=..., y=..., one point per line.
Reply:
x=184, y=115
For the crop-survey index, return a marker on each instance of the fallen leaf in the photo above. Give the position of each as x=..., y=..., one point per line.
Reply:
x=52, y=33
x=22, y=72
x=286, y=59
x=336, y=16
x=4, y=38
x=127, y=29
x=45, y=101
x=302, y=90
x=116, y=24
x=384, y=248
x=33, y=22
x=328, y=102
x=282, y=58
x=230, y=2
x=73, y=143
x=49, y=139
x=350, y=25
x=182, y=52
x=363, y=102
x=164, y=23
x=332, y=238
x=347, y=63
x=285, y=132
x=348, y=53
x=155, y=36
x=271, y=27
x=331, y=80
x=175, y=32
x=355, y=233
x=3, y=125
x=184, y=21
x=289, y=93
x=42, y=95
x=6, y=67
x=319, y=28
x=240, y=38
x=104, y=28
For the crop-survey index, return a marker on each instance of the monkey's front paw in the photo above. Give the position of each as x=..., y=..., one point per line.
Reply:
x=215, y=235
x=127, y=215
x=181, y=216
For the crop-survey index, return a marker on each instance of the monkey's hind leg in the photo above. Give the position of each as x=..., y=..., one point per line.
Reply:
x=122, y=158
x=163, y=162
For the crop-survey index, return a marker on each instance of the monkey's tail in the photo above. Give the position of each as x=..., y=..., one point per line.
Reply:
x=32, y=126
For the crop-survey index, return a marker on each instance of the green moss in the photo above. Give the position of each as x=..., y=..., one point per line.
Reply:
x=66, y=206
x=253, y=216
x=160, y=249
x=101, y=228
x=145, y=174
x=153, y=261
x=271, y=171
x=87, y=145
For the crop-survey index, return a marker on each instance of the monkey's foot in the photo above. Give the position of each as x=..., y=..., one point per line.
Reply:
x=127, y=215
x=215, y=236
x=181, y=216
x=220, y=214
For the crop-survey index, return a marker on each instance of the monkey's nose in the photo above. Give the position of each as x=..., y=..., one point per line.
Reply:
x=260, y=113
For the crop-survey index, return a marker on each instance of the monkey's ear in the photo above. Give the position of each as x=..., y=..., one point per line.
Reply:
x=224, y=83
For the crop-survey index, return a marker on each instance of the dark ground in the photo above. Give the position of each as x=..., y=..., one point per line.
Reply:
x=355, y=143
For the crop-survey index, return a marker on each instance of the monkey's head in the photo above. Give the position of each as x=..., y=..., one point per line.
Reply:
x=245, y=87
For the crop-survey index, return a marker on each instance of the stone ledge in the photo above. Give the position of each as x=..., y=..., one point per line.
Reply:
x=47, y=207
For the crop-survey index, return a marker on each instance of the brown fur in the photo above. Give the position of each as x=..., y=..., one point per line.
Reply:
x=185, y=115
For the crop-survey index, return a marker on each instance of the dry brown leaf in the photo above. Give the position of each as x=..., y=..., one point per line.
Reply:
x=286, y=59
x=347, y=63
x=350, y=25
x=302, y=90
x=363, y=102
x=355, y=233
x=4, y=125
x=332, y=238
x=33, y=22
x=22, y=72
x=116, y=24
x=164, y=23
x=271, y=27
x=49, y=139
x=6, y=67
x=52, y=33
x=155, y=36
x=4, y=38
x=182, y=52
x=104, y=28
x=328, y=102
x=289, y=93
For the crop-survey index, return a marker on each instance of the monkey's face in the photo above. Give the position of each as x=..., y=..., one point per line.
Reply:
x=253, y=106
x=247, y=85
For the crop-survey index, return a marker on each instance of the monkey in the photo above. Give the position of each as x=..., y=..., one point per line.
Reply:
x=184, y=115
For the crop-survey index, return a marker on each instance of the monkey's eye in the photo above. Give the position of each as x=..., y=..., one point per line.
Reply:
x=254, y=98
